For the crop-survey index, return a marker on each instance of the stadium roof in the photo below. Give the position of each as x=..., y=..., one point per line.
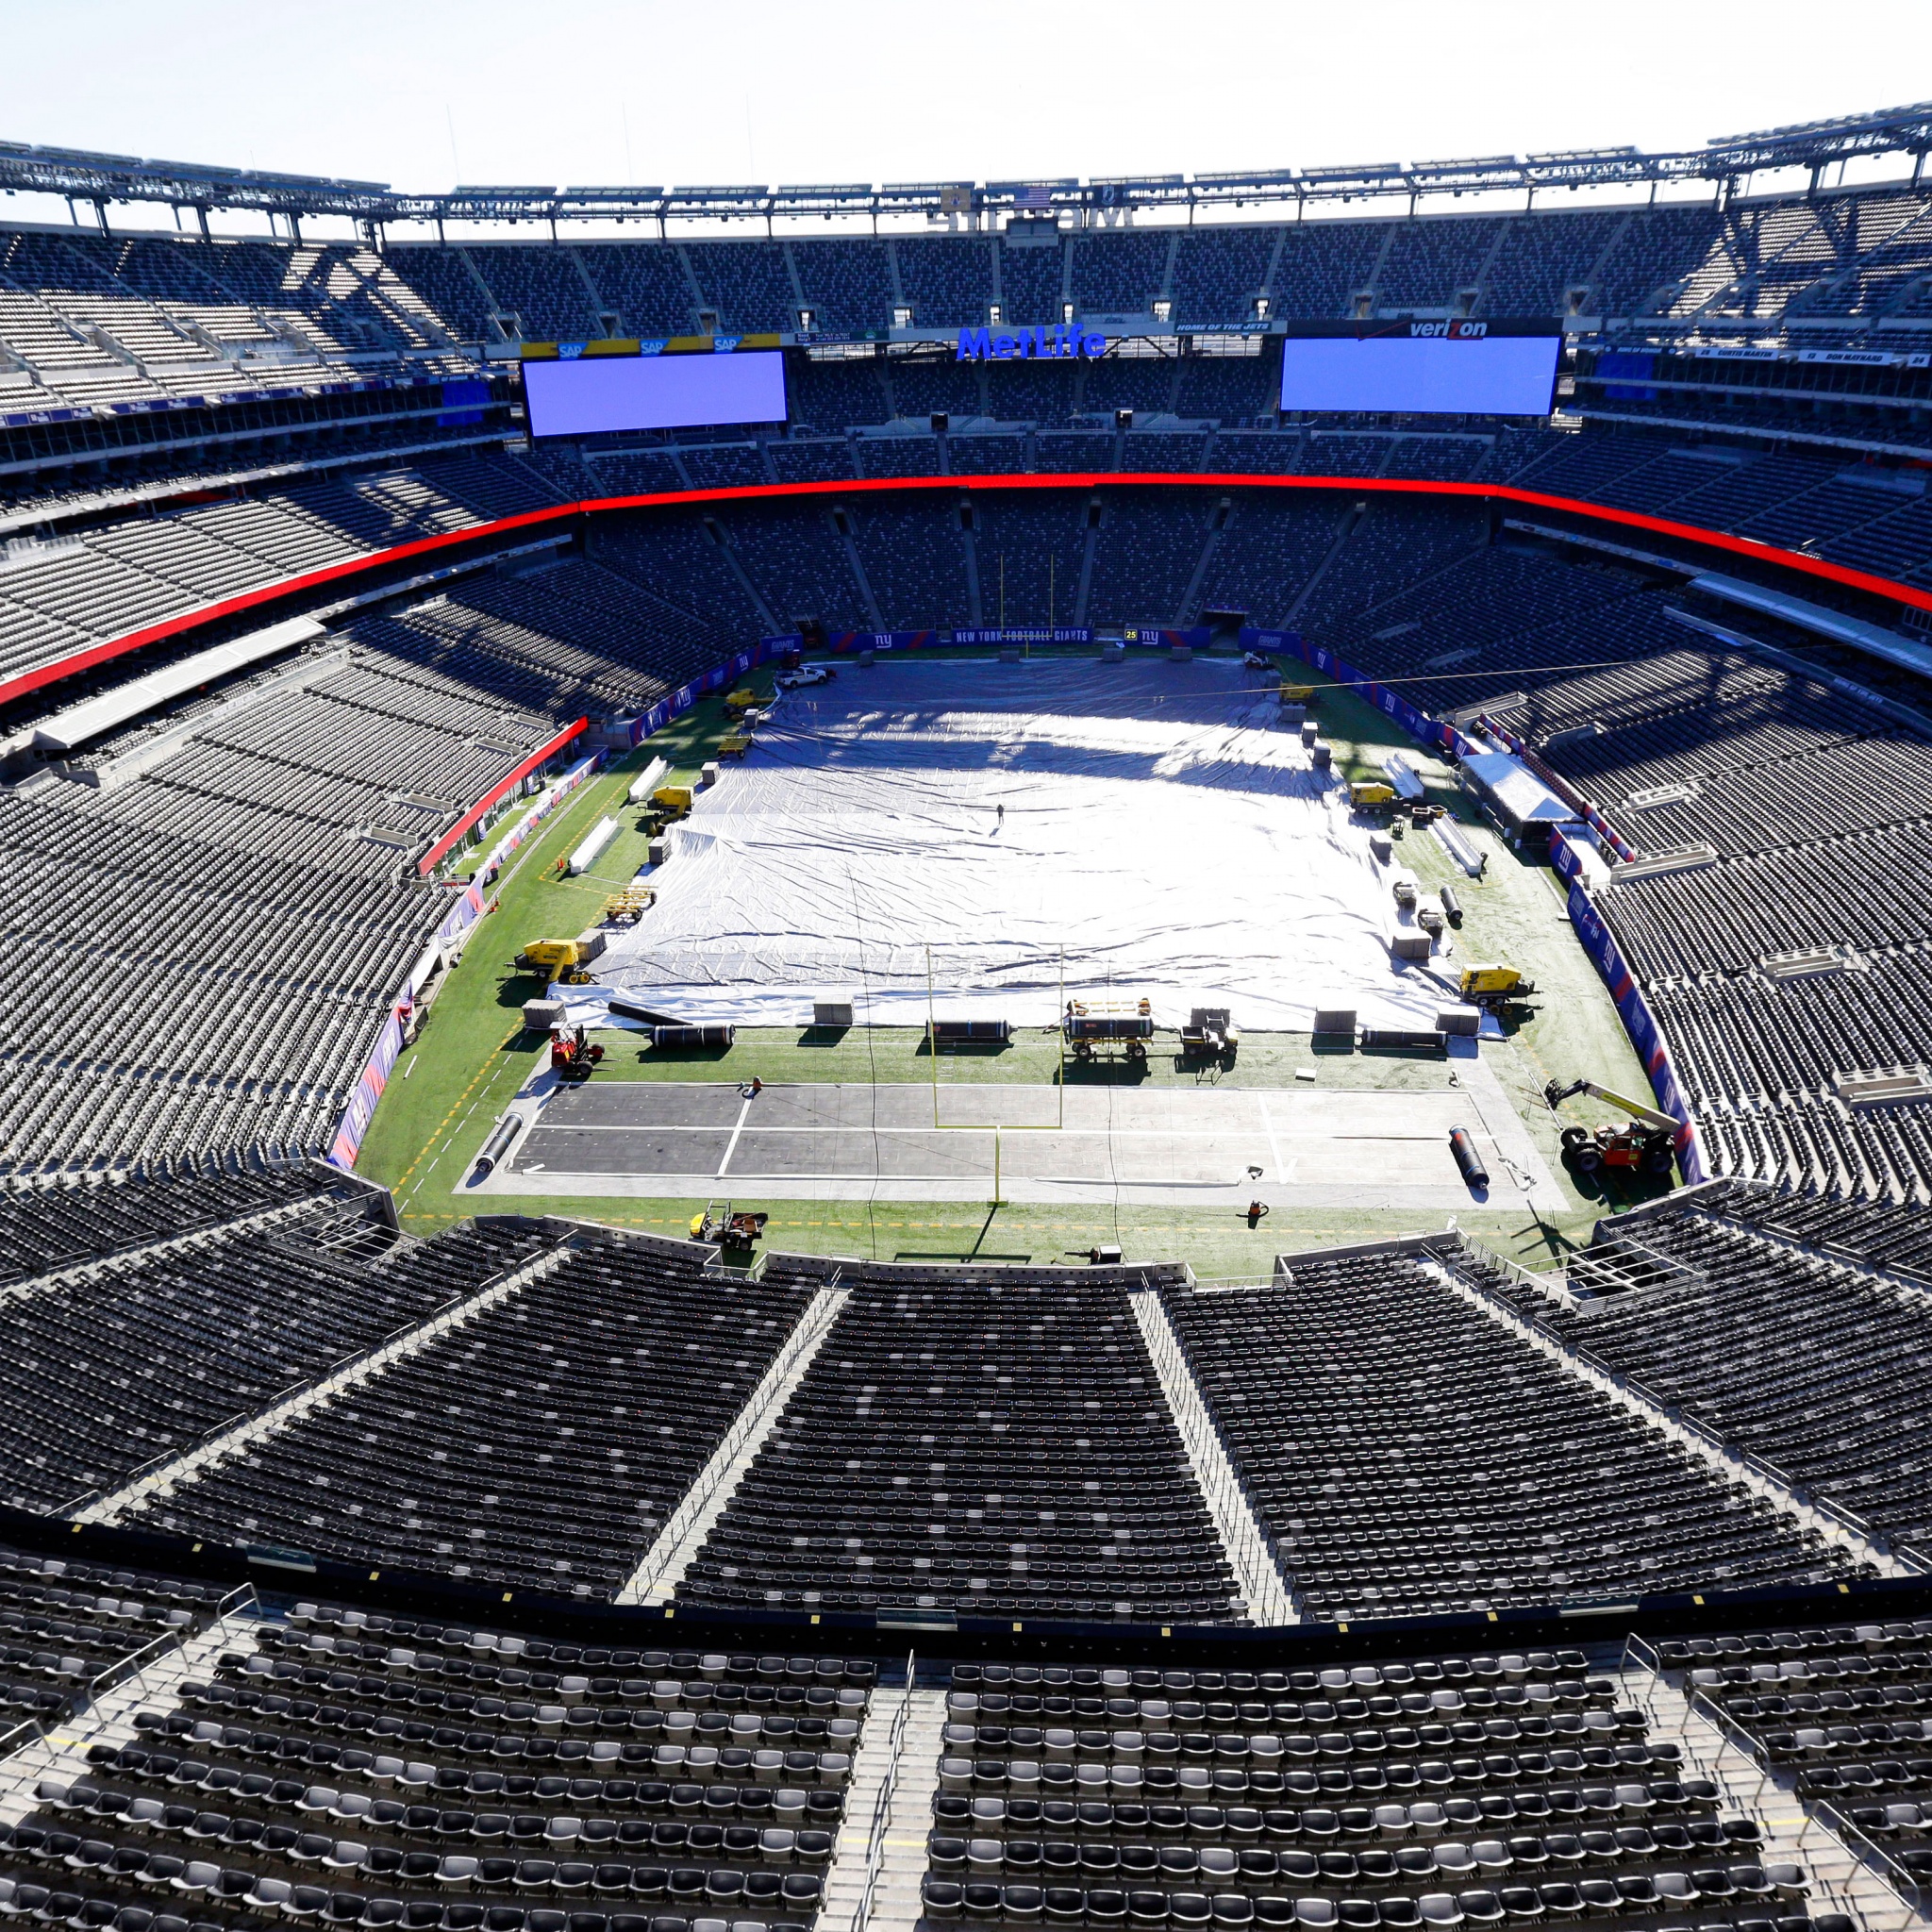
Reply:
x=100, y=179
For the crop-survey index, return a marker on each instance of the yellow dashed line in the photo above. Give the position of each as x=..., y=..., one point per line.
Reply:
x=443, y=1124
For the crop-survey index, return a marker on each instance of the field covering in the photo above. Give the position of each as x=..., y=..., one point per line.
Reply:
x=472, y=1055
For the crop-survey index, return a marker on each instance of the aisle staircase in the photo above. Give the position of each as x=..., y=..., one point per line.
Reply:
x=146, y=1681
x=1843, y=1880
x=880, y=1857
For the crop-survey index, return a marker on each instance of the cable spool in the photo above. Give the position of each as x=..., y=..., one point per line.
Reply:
x=1452, y=905
x=498, y=1144
x=1473, y=1173
x=691, y=1038
x=967, y=1032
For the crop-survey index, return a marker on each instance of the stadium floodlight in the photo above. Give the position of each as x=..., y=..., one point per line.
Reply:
x=610, y=193
x=1373, y=171
x=720, y=195
x=844, y=191
x=1801, y=130
x=1064, y=185
x=194, y=169
x=1583, y=157
x=76, y=156
x=262, y=175
x=1487, y=164
x=1253, y=177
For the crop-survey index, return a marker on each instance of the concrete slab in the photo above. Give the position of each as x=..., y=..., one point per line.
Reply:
x=1153, y=1145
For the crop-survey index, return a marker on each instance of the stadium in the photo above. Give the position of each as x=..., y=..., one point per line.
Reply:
x=800, y=968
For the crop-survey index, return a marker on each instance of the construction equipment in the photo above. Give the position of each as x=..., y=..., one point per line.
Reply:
x=1108, y=1020
x=734, y=745
x=740, y=701
x=563, y=962
x=627, y=907
x=1402, y=887
x=1423, y=814
x=572, y=1057
x=1492, y=986
x=1647, y=1142
x=1210, y=1033
x=1369, y=795
x=674, y=801
x=722, y=1227
x=1297, y=693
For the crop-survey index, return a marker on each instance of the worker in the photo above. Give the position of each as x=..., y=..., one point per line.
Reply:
x=1001, y=819
x=750, y=1089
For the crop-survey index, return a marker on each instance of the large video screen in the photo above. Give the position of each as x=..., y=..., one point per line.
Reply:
x=1422, y=369
x=595, y=394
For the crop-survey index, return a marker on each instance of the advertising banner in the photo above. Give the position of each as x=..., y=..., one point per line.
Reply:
x=1639, y=1023
x=1419, y=724
x=368, y=1090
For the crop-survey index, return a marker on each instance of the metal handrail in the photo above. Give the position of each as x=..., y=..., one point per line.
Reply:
x=882, y=1806
x=1171, y=1349
x=693, y=1502
x=1873, y=1856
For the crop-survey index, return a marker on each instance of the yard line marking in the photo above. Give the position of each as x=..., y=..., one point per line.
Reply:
x=1281, y=1171
x=731, y=1145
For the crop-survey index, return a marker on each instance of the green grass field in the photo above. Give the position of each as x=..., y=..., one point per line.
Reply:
x=450, y=1087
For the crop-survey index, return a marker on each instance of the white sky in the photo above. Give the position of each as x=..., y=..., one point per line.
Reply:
x=803, y=90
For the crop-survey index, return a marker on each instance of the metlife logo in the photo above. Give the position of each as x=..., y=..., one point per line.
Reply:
x=994, y=345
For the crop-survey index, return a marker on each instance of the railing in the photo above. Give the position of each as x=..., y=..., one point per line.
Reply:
x=450, y=1312
x=1229, y=1502
x=1638, y=1655
x=699, y=1497
x=1733, y=1740
x=1867, y=1851
x=21, y=1765
x=719, y=1269
x=882, y=1806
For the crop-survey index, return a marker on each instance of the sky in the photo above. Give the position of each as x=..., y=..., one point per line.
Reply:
x=425, y=93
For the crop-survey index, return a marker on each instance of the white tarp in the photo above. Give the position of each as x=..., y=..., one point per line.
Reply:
x=1160, y=827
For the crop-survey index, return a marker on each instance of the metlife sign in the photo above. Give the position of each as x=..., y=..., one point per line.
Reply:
x=999, y=345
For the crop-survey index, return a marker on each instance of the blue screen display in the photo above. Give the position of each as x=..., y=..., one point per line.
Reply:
x=601, y=392
x=1424, y=376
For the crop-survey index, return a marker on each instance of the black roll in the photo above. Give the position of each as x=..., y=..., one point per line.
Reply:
x=1467, y=1159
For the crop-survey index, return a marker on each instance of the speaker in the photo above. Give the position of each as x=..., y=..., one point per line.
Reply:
x=1123, y=419
x=941, y=421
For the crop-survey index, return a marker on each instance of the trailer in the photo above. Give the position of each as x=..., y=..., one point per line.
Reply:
x=1105, y=1022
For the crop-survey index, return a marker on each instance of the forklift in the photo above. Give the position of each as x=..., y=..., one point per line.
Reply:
x=1646, y=1143
x=572, y=1057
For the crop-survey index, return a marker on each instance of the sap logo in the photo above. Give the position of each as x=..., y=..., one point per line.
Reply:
x=984, y=344
x=1455, y=331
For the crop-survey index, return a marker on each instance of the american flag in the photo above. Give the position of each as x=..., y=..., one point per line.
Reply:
x=1033, y=196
